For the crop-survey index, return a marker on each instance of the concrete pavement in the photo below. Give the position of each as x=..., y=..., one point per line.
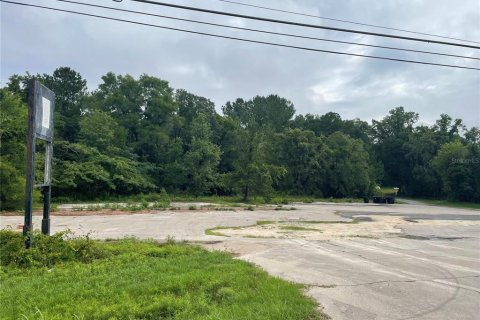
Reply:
x=428, y=269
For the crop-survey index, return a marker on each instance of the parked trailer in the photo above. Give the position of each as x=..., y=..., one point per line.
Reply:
x=389, y=199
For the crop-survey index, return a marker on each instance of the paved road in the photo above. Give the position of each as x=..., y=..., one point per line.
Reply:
x=430, y=270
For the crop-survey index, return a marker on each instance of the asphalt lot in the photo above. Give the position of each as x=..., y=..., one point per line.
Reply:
x=409, y=262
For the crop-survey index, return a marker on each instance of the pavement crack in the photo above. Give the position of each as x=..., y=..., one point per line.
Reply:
x=392, y=281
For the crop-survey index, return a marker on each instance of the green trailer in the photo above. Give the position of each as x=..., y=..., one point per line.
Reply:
x=385, y=196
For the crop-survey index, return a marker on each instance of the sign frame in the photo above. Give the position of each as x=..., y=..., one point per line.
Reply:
x=41, y=108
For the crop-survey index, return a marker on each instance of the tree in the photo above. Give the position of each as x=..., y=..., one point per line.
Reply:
x=99, y=130
x=202, y=159
x=13, y=131
x=331, y=122
x=447, y=129
x=120, y=96
x=190, y=106
x=272, y=111
x=70, y=89
x=83, y=172
x=454, y=166
x=349, y=173
x=253, y=173
x=421, y=147
x=305, y=155
x=391, y=135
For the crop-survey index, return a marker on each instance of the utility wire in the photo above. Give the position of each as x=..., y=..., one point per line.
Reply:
x=266, y=32
x=223, y=13
x=239, y=39
x=344, y=21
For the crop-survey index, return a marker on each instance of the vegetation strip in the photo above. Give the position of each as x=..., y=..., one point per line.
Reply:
x=131, y=279
x=131, y=137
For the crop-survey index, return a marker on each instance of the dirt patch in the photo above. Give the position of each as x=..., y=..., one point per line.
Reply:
x=319, y=230
x=381, y=226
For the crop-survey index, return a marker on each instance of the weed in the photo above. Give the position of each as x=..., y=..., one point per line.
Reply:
x=214, y=232
x=225, y=209
x=170, y=240
x=264, y=222
x=47, y=251
x=354, y=221
x=280, y=208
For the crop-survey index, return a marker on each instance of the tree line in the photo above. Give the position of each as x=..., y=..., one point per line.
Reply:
x=132, y=136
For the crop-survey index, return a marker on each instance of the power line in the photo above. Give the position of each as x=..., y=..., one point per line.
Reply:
x=344, y=21
x=266, y=32
x=223, y=13
x=240, y=39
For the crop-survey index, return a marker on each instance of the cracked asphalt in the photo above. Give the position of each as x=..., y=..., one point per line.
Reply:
x=425, y=271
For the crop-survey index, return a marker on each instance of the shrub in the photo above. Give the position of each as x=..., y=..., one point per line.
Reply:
x=47, y=251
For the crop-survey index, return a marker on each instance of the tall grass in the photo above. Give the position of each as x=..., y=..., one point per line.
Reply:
x=78, y=278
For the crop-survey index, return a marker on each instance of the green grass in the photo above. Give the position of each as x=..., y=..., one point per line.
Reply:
x=354, y=221
x=132, y=279
x=305, y=199
x=264, y=222
x=228, y=201
x=215, y=231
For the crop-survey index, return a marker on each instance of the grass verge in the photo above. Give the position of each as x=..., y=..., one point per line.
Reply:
x=79, y=278
x=228, y=201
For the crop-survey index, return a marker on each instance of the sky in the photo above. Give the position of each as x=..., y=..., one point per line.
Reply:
x=39, y=41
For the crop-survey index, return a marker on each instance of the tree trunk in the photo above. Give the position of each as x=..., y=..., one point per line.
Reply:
x=245, y=193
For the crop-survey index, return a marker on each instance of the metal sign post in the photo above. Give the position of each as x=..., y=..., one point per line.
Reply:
x=41, y=105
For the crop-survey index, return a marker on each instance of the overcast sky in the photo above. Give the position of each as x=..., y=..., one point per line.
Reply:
x=39, y=41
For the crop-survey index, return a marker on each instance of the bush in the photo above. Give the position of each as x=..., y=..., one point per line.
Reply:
x=47, y=251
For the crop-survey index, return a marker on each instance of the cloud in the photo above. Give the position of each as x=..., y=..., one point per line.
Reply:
x=39, y=41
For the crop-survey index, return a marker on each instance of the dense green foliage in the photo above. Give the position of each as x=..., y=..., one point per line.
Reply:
x=47, y=251
x=132, y=136
x=131, y=279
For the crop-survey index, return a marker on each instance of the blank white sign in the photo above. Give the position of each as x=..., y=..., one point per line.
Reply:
x=46, y=113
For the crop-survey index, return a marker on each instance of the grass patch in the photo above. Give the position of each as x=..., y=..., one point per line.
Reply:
x=354, y=221
x=124, y=206
x=264, y=222
x=132, y=279
x=251, y=236
x=227, y=201
x=215, y=232
x=282, y=208
x=305, y=199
